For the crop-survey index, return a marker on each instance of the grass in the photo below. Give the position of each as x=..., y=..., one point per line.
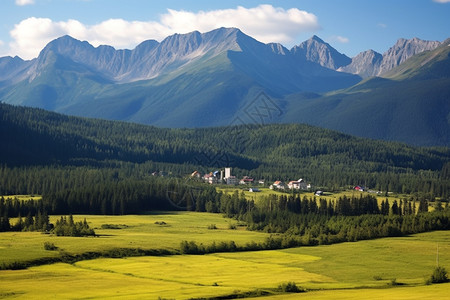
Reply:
x=23, y=197
x=358, y=270
x=409, y=260
x=431, y=292
x=310, y=194
x=63, y=281
x=179, y=277
x=141, y=231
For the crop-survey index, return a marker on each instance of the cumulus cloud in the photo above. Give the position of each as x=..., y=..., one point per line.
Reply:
x=24, y=2
x=340, y=39
x=264, y=22
x=442, y=1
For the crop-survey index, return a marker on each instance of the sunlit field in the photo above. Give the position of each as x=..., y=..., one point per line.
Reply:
x=153, y=231
x=264, y=192
x=391, y=268
x=426, y=292
x=23, y=197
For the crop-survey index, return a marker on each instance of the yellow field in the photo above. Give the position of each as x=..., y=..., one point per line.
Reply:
x=23, y=197
x=361, y=270
x=310, y=194
x=140, y=232
x=430, y=292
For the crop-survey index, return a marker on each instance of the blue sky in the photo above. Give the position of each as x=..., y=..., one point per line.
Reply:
x=351, y=26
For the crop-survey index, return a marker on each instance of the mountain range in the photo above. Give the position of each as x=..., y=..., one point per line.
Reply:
x=225, y=77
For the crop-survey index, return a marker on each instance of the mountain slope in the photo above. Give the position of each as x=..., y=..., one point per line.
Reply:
x=365, y=64
x=187, y=80
x=225, y=77
x=317, y=51
x=12, y=70
x=426, y=65
x=410, y=105
x=370, y=63
x=403, y=50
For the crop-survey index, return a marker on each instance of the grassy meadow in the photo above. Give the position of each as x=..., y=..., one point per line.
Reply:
x=23, y=197
x=364, y=269
x=264, y=192
x=164, y=230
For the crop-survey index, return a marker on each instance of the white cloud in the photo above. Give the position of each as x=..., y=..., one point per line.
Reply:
x=340, y=39
x=264, y=22
x=31, y=35
x=442, y=1
x=382, y=25
x=24, y=2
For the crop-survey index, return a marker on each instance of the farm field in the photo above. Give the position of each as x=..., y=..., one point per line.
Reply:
x=23, y=197
x=265, y=191
x=257, y=196
x=357, y=270
x=431, y=292
x=164, y=230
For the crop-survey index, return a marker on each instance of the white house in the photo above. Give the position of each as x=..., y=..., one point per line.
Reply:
x=278, y=185
x=210, y=178
x=297, y=185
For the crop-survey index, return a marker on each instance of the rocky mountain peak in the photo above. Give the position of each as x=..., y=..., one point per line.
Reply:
x=370, y=63
x=147, y=60
x=315, y=38
x=151, y=58
x=67, y=46
x=320, y=52
x=402, y=50
x=10, y=67
x=278, y=48
x=365, y=64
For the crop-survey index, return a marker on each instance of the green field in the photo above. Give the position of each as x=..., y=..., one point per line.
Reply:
x=257, y=196
x=360, y=270
x=23, y=197
x=140, y=231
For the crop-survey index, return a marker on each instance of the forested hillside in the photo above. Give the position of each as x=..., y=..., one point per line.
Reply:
x=323, y=157
x=92, y=166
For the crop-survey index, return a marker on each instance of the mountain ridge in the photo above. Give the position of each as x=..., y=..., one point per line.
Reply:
x=318, y=51
x=214, y=78
x=267, y=66
x=409, y=104
x=119, y=63
x=370, y=63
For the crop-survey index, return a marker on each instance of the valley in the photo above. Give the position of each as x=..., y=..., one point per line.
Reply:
x=322, y=270
x=211, y=165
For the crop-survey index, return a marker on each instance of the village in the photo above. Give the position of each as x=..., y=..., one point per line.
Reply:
x=225, y=176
